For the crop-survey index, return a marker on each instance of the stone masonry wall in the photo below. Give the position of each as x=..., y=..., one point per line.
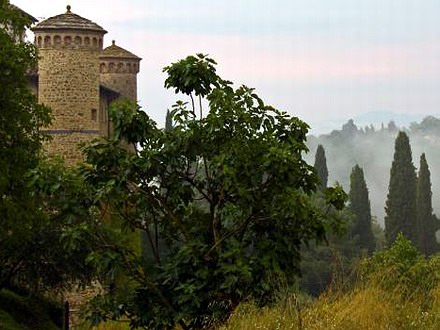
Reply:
x=120, y=75
x=124, y=83
x=67, y=145
x=69, y=85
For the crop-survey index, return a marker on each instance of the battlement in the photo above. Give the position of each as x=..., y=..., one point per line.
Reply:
x=69, y=30
x=78, y=79
x=127, y=66
x=68, y=39
x=115, y=59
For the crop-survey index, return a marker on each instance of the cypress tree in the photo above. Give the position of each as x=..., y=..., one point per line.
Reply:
x=426, y=220
x=400, y=206
x=168, y=122
x=360, y=206
x=321, y=167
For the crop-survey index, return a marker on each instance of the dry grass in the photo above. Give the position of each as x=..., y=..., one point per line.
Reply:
x=369, y=308
x=366, y=308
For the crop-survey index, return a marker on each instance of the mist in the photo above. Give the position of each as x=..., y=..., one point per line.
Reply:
x=372, y=148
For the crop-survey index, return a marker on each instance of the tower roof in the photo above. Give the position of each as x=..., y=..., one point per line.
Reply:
x=114, y=51
x=68, y=21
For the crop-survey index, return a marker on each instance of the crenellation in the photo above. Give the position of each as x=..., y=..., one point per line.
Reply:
x=74, y=79
x=118, y=69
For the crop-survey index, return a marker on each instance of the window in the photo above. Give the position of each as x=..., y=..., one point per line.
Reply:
x=47, y=41
x=94, y=114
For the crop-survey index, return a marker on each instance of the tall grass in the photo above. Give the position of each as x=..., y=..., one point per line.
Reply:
x=397, y=289
x=369, y=308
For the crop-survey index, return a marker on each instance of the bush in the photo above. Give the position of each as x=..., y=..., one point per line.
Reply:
x=402, y=269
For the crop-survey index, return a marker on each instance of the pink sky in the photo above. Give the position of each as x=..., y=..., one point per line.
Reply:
x=318, y=59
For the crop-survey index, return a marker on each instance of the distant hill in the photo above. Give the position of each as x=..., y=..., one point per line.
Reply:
x=377, y=118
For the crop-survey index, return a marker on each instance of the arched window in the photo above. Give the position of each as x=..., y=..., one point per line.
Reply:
x=47, y=41
x=57, y=40
x=67, y=40
x=78, y=40
x=87, y=41
x=39, y=41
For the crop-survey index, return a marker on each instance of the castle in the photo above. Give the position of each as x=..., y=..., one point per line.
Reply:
x=78, y=79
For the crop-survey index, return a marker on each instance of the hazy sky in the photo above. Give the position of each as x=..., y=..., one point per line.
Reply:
x=324, y=61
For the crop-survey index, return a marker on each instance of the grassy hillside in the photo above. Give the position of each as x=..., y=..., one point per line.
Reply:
x=368, y=308
x=395, y=289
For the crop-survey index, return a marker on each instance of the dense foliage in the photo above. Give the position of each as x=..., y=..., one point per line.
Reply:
x=224, y=200
x=403, y=269
x=47, y=217
x=401, y=202
x=321, y=166
x=427, y=222
x=360, y=206
x=20, y=143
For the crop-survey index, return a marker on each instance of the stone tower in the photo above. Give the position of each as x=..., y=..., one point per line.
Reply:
x=68, y=80
x=119, y=69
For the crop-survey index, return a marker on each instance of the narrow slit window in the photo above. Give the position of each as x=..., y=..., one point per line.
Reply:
x=94, y=114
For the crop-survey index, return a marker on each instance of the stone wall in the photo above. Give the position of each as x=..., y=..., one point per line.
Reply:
x=120, y=76
x=69, y=85
x=67, y=145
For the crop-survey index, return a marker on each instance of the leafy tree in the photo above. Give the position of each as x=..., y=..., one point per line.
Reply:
x=402, y=270
x=66, y=231
x=360, y=206
x=145, y=245
x=329, y=265
x=20, y=143
x=44, y=208
x=168, y=121
x=401, y=201
x=224, y=199
x=321, y=167
x=427, y=222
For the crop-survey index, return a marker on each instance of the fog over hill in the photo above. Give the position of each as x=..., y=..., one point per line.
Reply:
x=372, y=147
